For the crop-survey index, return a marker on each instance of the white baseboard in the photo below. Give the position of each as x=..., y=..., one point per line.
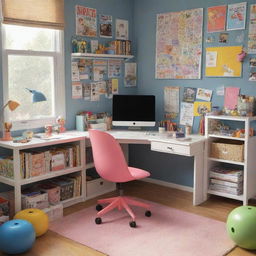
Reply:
x=168, y=184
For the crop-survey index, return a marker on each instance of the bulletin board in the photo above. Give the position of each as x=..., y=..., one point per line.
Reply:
x=226, y=63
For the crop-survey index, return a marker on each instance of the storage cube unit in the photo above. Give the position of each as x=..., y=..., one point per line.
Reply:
x=233, y=156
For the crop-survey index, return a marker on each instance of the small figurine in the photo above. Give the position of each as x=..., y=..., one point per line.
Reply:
x=7, y=131
x=61, y=122
x=74, y=45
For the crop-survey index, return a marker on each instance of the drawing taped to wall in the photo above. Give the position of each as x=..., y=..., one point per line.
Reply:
x=216, y=18
x=178, y=55
x=236, y=17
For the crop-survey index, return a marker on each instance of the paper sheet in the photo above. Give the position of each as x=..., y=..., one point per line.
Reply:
x=186, y=114
x=171, y=99
x=231, y=97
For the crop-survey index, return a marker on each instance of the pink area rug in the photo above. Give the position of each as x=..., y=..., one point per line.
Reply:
x=168, y=232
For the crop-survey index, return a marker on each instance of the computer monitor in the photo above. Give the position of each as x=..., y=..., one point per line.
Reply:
x=133, y=110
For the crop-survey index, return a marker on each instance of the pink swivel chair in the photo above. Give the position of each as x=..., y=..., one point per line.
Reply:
x=111, y=165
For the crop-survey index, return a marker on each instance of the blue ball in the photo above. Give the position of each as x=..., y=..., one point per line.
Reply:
x=16, y=236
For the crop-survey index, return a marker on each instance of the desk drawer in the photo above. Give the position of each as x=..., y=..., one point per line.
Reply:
x=170, y=148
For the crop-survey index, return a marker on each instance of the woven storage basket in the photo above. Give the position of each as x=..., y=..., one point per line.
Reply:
x=233, y=151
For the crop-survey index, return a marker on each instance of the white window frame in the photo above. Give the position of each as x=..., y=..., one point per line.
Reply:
x=59, y=108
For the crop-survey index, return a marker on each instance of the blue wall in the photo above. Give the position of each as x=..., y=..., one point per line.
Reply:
x=122, y=9
x=176, y=169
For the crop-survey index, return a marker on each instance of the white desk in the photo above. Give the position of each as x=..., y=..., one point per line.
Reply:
x=166, y=144
x=158, y=142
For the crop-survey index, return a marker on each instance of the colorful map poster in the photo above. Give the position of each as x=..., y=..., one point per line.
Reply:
x=216, y=18
x=179, y=45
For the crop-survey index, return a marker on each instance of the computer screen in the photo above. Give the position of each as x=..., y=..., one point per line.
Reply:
x=133, y=110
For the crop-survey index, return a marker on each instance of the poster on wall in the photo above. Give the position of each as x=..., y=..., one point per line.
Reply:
x=204, y=94
x=179, y=45
x=86, y=21
x=201, y=108
x=252, y=30
x=122, y=31
x=216, y=18
x=130, y=74
x=114, y=68
x=171, y=99
x=105, y=26
x=189, y=94
x=236, y=17
x=186, y=113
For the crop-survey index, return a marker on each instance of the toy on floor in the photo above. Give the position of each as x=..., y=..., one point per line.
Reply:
x=37, y=217
x=16, y=236
x=241, y=226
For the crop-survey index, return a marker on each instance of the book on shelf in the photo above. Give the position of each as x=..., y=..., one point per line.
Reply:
x=227, y=175
x=6, y=166
x=226, y=189
x=227, y=183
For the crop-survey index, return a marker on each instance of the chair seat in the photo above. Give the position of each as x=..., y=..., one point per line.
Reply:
x=138, y=173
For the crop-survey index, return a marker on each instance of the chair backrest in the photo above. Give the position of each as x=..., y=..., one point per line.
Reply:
x=108, y=157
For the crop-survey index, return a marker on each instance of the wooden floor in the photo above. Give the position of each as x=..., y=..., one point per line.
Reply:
x=52, y=244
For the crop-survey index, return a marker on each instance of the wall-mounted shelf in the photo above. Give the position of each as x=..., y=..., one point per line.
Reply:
x=100, y=56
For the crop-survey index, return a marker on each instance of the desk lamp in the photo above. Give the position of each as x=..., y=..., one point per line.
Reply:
x=37, y=96
x=12, y=105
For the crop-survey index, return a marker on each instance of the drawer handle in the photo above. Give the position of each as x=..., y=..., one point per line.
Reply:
x=170, y=148
x=101, y=183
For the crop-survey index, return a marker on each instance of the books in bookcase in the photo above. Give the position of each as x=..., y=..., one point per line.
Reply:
x=41, y=161
x=6, y=166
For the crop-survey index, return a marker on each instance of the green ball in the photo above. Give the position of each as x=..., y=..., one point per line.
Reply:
x=241, y=226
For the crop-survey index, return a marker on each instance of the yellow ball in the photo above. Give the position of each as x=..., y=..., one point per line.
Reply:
x=37, y=217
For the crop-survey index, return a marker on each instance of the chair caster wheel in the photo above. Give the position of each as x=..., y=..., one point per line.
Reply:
x=148, y=213
x=132, y=224
x=99, y=207
x=98, y=221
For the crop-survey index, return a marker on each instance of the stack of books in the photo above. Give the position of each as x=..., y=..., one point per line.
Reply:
x=226, y=180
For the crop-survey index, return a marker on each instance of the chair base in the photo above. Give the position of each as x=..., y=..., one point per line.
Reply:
x=120, y=202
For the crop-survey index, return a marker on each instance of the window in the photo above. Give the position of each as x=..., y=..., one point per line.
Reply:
x=33, y=58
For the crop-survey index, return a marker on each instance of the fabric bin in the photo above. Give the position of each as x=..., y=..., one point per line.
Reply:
x=228, y=150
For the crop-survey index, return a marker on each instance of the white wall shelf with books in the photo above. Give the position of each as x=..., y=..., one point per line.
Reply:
x=230, y=163
x=17, y=179
x=101, y=56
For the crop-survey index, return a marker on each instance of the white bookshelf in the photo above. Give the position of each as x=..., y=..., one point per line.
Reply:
x=17, y=182
x=248, y=166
